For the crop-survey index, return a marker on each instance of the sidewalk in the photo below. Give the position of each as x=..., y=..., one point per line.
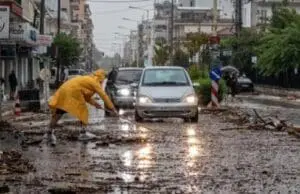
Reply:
x=276, y=91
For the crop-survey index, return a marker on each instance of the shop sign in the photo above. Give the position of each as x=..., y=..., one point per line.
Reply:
x=14, y=7
x=24, y=32
x=45, y=40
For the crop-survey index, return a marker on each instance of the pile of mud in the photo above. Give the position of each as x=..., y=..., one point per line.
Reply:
x=12, y=162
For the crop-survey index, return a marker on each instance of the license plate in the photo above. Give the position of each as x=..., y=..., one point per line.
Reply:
x=244, y=86
x=162, y=108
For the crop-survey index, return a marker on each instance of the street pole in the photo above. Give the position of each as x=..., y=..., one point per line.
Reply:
x=215, y=18
x=42, y=17
x=238, y=17
x=171, y=32
x=42, y=62
x=57, y=49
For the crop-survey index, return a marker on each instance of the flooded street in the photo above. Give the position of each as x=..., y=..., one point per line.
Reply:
x=152, y=157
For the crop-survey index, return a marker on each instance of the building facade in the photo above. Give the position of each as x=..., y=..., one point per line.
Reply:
x=18, y=39
x=258, y=12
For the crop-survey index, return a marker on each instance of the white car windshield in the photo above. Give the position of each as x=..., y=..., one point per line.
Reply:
x=165, y=77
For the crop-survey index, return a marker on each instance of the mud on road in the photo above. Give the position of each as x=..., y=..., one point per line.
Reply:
x=151, y=157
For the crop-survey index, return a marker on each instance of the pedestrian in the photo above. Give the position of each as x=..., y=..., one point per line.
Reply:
x=233, y=83
x=2, y=89
x=65, y=74
x=13, y=83
x=72, y=97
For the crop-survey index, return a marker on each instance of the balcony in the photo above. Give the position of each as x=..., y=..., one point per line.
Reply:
x=87, y=10
x=74, y=2
x=291, y=3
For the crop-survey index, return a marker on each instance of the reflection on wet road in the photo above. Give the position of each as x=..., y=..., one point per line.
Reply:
x=163, y=157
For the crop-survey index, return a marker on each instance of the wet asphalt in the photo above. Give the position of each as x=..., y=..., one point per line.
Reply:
x=167, y=156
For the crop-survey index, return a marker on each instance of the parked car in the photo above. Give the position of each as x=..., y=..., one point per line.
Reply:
x=244, y=84
x=166, y=92
x=72, y=73
x=75, y=72
x=121, y=85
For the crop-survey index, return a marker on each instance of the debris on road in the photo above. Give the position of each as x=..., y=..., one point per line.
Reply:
x=4, y=125
x=72, y=188
x=4, y=189
x=12, y=162
x=244, y=120
x=119, y=140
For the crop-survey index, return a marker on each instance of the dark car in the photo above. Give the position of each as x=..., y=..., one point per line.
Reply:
x=244, y=84
x=121, y=85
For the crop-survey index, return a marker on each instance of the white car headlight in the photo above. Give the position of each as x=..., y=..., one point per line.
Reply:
x=191, y=99
x=144, y=100
x=124, y=92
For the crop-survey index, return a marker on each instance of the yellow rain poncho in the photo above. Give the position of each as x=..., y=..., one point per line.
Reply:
x=73, y=95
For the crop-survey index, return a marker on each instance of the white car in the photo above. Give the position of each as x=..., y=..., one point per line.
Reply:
x=166, y=92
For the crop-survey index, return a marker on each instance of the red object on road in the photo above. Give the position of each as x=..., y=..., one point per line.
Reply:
x=17, y=107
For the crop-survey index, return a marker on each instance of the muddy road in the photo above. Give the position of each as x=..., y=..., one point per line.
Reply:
x=151, y=157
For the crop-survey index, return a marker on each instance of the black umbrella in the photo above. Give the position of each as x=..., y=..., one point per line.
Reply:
x=230, y=69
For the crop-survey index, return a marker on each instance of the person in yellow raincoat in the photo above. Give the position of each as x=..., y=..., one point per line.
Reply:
x=72, y=97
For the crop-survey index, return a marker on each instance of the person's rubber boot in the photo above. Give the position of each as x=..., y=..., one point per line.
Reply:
x=86, y=136
x=51, y=138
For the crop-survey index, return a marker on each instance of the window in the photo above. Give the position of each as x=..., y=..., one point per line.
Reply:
x=165, y=77
x=128, y=76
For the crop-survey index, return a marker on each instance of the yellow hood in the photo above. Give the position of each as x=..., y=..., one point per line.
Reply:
x=99, y=75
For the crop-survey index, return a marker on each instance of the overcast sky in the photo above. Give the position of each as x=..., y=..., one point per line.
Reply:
x=108, y=16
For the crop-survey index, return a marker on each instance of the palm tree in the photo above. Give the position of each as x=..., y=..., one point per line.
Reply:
x=161, y=51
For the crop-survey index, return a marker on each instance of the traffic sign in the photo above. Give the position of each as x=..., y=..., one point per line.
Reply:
x=215, y=74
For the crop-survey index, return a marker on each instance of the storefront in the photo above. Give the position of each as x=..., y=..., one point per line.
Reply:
x=16, y=53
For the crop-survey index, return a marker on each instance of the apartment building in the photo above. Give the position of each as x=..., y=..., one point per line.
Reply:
x=258, y=12
x=17, y=40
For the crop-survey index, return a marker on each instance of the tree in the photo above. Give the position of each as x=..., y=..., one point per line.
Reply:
x=246, y=42
x=283, y=17
x=181, y=58
x=194, y=41
x=279, y=50
x=161, y=51
x=69, y=49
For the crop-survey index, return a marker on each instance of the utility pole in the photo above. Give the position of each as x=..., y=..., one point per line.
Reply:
x=57, y=49
x=58, y=15
x=238, y=17
x=42, y=17
x=171, y=32
x=215, y=18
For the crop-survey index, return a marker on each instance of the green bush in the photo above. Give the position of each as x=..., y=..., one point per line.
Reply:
x=196, y=73
x=204, y=90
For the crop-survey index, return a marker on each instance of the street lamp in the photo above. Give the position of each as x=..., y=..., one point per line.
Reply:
x=123, y=27
x=128, y=19
x=139, y=8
